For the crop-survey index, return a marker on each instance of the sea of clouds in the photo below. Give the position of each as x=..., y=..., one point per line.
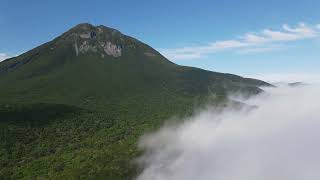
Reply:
x=278, y=140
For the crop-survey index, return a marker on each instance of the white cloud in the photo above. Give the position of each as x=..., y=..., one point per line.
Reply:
x=267, y=37
x=277, y=140
x=219, y=45
x=302, y=30
x=4, y=56
x=288, y=77
x=279, y=36
x=254, y=39
x=199, y=51
x=184, y=56
x=260, y=49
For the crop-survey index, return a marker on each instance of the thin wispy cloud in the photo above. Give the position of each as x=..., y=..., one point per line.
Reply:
x=262, y=49
x=4, y=56
x=265, y=40
x=305, y=77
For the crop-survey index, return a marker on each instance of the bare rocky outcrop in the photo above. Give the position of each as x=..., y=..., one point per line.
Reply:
x=85, y=47
x=111, y=49
x=85, y=35
x=97, y=39
x=76, y=48
x=108, y=48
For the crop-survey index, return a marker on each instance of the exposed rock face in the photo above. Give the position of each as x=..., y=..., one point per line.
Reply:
x=85, y=47
x=107, y=47
x=111, y=49
x=76, y=48
x=97, y=39
x=100, y=30
x=85, y=36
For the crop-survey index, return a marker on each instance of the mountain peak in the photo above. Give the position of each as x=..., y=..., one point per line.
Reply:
x=86, y=37
x=84, y=26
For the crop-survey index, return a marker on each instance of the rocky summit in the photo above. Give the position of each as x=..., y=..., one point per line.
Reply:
x=101, y=39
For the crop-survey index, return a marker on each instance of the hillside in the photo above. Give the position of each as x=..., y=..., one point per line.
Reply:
x=74, y=107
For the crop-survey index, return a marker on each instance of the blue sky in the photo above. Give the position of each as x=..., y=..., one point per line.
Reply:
x=243, y=37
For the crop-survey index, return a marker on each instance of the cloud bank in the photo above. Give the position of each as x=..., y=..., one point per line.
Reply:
x=265, y=40
x=277, y=140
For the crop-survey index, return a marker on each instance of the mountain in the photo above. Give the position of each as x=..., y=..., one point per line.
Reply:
x=296, y=84
x=74, y=107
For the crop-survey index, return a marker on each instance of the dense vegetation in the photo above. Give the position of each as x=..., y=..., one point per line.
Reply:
x=57, y=141
x=69, y=116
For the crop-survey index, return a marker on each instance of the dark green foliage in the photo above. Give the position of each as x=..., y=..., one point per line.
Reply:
x=68, y=116
x=78, y=144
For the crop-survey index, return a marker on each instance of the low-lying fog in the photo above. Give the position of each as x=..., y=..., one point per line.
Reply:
x=279, y=140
